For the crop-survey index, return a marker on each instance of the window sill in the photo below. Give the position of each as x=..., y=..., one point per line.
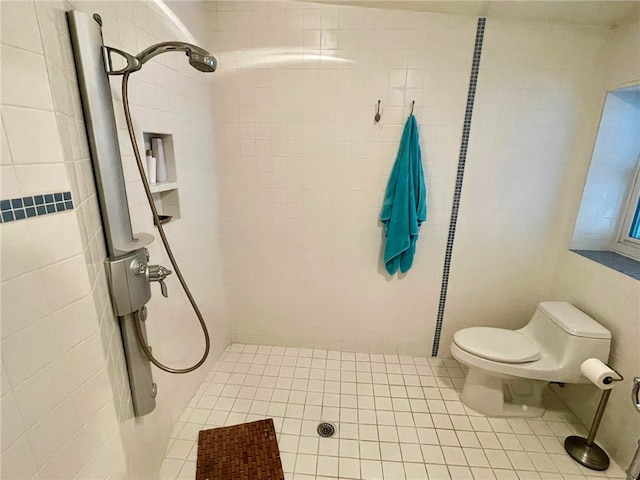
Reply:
x=620, y=263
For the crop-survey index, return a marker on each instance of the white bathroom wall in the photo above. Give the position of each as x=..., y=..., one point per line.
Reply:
x=536, y=113
x=58, y=414
x=610, y=297
x=58, y=398
x=306, y=167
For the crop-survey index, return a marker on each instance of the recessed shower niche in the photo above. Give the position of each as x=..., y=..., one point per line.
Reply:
x=165, y=187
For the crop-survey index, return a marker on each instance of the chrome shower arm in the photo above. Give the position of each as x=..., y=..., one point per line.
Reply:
x=150, y=52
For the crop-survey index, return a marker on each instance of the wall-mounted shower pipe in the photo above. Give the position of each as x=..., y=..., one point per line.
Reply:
x=205, y=62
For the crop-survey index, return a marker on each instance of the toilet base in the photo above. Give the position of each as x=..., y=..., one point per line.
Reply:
x=502, y=397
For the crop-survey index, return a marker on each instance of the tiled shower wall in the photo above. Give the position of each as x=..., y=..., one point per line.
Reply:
x=58, y=415
x=66, y=406
x=306, y=167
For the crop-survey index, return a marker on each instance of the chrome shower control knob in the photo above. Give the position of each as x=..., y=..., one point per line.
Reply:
x=157, y=273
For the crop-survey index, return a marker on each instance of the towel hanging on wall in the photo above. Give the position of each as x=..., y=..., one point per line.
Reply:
x=405, y=202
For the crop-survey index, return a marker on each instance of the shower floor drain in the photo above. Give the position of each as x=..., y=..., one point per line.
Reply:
x=326, y=429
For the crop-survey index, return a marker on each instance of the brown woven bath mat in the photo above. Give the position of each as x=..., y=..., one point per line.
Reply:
x=248, y=451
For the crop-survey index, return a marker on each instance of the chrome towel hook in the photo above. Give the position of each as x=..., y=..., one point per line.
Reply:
x=412, y=105
x=635, y=398
x=377, y=117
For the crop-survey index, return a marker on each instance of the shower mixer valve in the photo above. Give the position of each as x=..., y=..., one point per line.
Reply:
x=130, y=277
x=157, y=273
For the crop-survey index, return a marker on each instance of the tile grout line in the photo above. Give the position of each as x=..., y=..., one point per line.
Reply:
x=466, y=129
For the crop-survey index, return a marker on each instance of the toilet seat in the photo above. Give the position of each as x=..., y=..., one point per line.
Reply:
x=497, y=344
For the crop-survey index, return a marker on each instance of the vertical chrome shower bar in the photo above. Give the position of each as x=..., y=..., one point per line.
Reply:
x=127, y=262
x=86, y=38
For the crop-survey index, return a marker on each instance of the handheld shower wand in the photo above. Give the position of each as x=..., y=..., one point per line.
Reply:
x=199, y=58
x=203, y=61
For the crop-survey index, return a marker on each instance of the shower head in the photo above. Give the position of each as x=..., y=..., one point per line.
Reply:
x=199, y=58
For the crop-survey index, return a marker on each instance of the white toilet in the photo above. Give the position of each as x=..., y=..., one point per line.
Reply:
x=508, y=369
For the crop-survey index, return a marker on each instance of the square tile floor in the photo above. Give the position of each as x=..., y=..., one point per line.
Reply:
x=397, y=418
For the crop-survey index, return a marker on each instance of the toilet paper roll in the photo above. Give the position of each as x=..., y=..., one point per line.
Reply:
x=600, y=374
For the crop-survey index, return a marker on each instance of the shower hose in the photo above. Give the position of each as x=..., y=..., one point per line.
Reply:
x=165, y=242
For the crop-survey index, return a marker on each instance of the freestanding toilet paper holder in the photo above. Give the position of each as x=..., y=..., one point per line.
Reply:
x=584, y=450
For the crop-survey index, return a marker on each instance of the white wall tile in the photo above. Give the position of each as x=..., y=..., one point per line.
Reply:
x=66, y=282
x=29, y=350
x=38, y=395
x=91, y=396
x=58, y=237
x=52, y=432
x=40, y=143
x=22, y=84
x=75, y=323
x=105, y=462
x=8, y=182
x=20, y=26
x=16, y=238
x=36, y=179
x=82, y=362
x=11, y=422
x=5, y=152
x=18, y=460
x=23, y=302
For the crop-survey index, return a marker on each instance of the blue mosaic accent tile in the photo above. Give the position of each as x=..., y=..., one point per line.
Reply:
x=627, y=266
x=35, y=205
x=462, y=158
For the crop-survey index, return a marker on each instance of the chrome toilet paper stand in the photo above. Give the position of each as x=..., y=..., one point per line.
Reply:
x=584, y=450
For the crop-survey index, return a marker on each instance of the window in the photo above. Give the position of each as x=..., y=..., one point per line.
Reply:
x=629, y=238
x=609, y=216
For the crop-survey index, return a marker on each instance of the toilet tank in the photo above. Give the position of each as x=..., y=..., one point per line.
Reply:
x=568, y=336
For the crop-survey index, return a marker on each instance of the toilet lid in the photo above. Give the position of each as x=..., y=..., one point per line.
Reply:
x=508, y=346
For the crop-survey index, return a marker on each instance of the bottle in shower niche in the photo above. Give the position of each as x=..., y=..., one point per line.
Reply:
x=151, y=167
x=161, y=164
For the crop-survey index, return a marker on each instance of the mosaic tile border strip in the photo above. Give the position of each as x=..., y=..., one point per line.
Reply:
x=466, y=129
x=13, y=209
x=617, y=262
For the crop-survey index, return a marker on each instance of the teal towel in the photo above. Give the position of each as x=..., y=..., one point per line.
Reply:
x=405, y=202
